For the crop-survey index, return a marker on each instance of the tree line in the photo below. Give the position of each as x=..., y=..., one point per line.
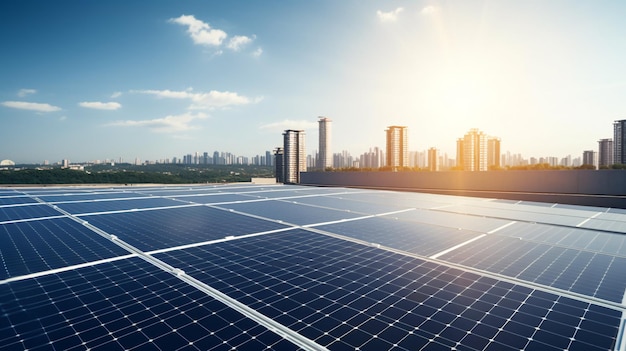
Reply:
x=131, y=174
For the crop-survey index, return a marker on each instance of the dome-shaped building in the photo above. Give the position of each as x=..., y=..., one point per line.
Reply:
x=6, y=163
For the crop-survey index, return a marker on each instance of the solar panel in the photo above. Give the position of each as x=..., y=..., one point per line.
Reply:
x=570, y=237
x=86, y=196
x=512, y=213
x=252, y=267
x=14, y=213
x=336, y=202
x=16, y=200
x=123, y=305
x=211, y=198
x=453, y=220
x=417, y=238
x=158, y=229
x=599, y=275
x=607, y=221
x=290, y=212
x=78, y=208
x=344, y=294
x=35, y=246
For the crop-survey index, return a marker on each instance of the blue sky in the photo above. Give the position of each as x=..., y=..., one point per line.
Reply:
x=88, y=80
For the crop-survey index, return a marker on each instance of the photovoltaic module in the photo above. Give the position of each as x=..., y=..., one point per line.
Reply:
x=285, y=267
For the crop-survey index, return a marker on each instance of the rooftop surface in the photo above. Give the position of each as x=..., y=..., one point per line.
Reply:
x=252, y=267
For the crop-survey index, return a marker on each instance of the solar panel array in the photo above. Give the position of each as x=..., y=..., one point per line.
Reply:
x=278, y=267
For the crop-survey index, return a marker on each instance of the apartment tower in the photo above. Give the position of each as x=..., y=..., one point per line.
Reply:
x=619, y=142
x=325, y=157
x=493, y=153
x=397, y=147
x=590, y=157
x=278, y=164
x=294, y=155
x=472, y=151
x=606, y=151
x=433, y=159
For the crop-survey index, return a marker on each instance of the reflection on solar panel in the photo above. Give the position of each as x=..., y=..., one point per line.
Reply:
x=280, y=267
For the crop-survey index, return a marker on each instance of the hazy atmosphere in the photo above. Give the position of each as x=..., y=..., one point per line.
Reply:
x=95, y=80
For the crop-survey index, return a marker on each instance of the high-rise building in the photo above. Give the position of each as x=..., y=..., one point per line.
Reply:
x=460, y=153
x=325, y=158
x=433, y=159
x=278, y=162
x=619, y=142
x=268, y=159
x=590, y=157
x=372, y=159
x=472, y=151
x=294, y=155
x=493, y=153
x=397, y=147
x=606, y=149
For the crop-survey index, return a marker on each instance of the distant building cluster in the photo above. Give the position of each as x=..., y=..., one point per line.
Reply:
x=205, y=158
x=477, y=152
x=610, y=151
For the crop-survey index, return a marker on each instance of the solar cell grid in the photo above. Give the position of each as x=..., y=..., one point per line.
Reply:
x=13, y=213
x=607, y=222
x=346, y=295
x=287, y=192
x=16, y=200
x=38, y=246
x=290, y=212
x=125, y=305
x=584, y=272
x=340, y=293
x=78, y=208
x=453, y=220
x=407, y=200
x=163, y=228
x=213, y=198
x=87, y=196
x=575, y=238
x=8, y=192
x=256, y=188
x=417, y=238
x=180, y=192
x=552, y=209
x=55, y=191
x=513, y=213
x=339, y=203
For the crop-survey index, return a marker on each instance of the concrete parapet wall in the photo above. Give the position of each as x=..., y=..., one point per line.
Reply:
x=605, y=188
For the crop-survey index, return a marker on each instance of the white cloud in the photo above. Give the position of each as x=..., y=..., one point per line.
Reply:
x=166, y=93
x=168, y=124
x=258, y=52
x=116, y=94
x=201, y=101
x=237, y=42
x=24, y=92
x=33, y=106
x=429, y=10
x=389, y=16
x=289, y=124
x=217, y=99
x=100, y=105
x=201, y=32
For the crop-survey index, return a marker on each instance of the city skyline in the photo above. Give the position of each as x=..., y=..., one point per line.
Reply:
x=475, y=151
x=87, y=81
